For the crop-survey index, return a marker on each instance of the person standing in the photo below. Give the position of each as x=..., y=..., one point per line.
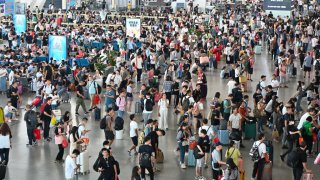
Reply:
x=182, y=139
x=46, y=118
x=59, y=136
x=217, y=161
x=107, y=166
x=109, y=97
x=80, y=98
x=109, y=130
x=134, y=131
x=202, y=145
x=121, y=103
x=146, y=158
x=307, y=64
x=167, y=87
x=30, y=117
x=259, y=164
x=148, y=108
x=163, y=105
x=93, y=90
x=301, y=163
x=70, y=165
x=13, y=94
x=292, y=135
x=5, y=143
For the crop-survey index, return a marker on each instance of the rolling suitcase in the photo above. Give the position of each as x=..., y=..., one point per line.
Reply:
x=3, y=170
x=257, y=49
x=267, y=171
x=83, y=160
x=97, y=114
x=138, y=108
x=250, y=129
x=119, y=134
x=269, y=149
x=223, y=136
x=191, y=159
x=294, y=71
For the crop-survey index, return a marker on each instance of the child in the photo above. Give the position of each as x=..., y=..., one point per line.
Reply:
x=9, y=112
x=223, y=72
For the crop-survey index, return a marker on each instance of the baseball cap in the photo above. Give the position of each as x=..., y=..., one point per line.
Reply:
x=218, y=144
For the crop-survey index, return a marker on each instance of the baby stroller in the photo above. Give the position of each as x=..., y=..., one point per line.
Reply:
x=231, y=172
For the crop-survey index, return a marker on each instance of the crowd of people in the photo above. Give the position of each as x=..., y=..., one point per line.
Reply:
x=165, y=68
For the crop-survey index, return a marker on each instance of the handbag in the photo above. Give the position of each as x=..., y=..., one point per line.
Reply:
x=275, y=134
x=53, y=121
x=64, y=143
x=242, y=79
x=317, y=160
x=96, y=99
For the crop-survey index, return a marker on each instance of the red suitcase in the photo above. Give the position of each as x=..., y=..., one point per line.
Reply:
x=36, y=101
x=37, y=134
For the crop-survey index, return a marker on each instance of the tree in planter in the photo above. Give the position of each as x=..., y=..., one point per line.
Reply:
x=110, y=58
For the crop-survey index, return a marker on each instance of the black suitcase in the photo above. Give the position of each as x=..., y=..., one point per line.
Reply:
x=97, y=114
x=294, y=71
x=3, y=170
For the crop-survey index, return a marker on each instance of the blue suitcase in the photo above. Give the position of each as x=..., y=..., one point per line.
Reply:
x=191, y=159
x=223, y=136
x=97, y=114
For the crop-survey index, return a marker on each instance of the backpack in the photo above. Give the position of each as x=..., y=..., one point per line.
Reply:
x=141, y=137
x=103, y=123
x=254, y=153
x=43, y=105
x=145, y=159
x=258, y=86
x=98, y=88
x=292, y=159
x=186, y=103
x=32, y=118
x=116, y=107
x=148, y=105
x=117, y=166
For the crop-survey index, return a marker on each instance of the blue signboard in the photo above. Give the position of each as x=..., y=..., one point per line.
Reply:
x=20, y=23
x=58, y=48
x=71, y=3
x=9, y=9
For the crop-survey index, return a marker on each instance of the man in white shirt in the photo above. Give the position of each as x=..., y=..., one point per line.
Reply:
x=234, y=120
x=311, y=112
x=70, y=165
x=133, y=134
x=231, y=84
x=82, y=131
x=275, y=84
x=263, y=85
x=262, y=149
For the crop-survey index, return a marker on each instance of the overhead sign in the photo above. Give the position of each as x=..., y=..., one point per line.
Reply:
x=20, y=8
x=282, y=5
x=133, y=27
x=9, y=8
x=20, y=23
x=58, y=48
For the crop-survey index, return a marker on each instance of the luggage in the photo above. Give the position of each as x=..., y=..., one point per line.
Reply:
x=294, y=71
x=36, y=102
x=223, y=136
x=3, y=170
x=223, y=124
x=240, y=165
x=119, y=134
x=86, y=93
x=159, y=156
x=138, y=108
x=242, y=175
x=250, y=130
x=191, y=159
x=267, y=171
x=97, y=114
x=307, y=176
x=269, y=148
x=257, y=49
x=1, y=115
x=65, y=97
x=83, y=161
x=37, y=134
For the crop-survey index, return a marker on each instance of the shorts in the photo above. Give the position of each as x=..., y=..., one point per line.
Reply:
x=8, y=115
x=135, y=140
x=109, y=135
x=307, y=69
x=199, y=162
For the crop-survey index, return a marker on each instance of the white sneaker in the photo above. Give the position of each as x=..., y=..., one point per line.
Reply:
x=183, y=166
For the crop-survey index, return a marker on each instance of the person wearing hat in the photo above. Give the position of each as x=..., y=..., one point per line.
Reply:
x=217, y=161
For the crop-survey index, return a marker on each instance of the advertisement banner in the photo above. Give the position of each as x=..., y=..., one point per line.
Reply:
x=2, y=9
x=20, y=8
x=58, y=48
x=133, y=27
x=9, y=9
x=71, y=3
x=20, y=23
x=278, y=5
